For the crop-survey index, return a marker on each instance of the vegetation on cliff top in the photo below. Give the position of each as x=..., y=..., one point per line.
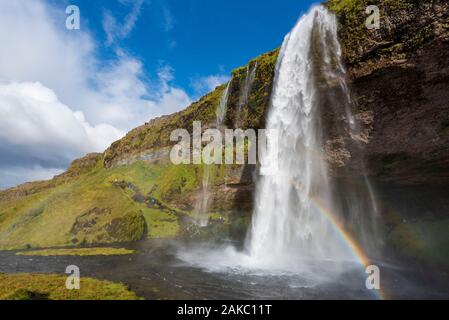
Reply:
x=155, y=134
x=405, y=26
x=251, y=113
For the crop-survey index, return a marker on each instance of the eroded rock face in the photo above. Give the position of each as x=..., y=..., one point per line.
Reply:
x=399, y=80
x=410, y=106
x=400, y=88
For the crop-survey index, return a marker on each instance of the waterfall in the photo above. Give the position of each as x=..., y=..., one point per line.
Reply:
x=223, y=105
x=202, y=204
x=304, y=221
x=295, y=210
x=246, y=89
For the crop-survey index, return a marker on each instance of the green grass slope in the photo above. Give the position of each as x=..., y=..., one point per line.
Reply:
x=116, y=197
x=101, y=206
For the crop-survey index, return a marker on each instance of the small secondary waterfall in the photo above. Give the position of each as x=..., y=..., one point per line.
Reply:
x=221, y=112
x=246, y=89
x=202, y=204
x=223, y=105
x=294, y=204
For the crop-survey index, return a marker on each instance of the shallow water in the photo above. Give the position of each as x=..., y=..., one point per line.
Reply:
x=157, y=272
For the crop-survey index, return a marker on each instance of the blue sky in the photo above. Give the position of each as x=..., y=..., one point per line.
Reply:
x=197, y=38
x=65, y=93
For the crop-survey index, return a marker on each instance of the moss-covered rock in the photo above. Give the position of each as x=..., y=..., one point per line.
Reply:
x=405, y=27
x=131, y=227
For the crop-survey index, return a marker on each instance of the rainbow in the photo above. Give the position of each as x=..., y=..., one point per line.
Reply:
x=346, y=238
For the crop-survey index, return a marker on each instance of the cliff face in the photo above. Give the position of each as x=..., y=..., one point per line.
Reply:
x=400, y=86
x=399, y=80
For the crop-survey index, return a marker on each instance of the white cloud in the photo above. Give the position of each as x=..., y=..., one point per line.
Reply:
x=37, y=47
x=60, y=96
x=41, y=49
x=60, y=101
x=36, y=124
x=169, y=20
x=206, y=84
x=168, y=97
x=118, y=31
x=13, y=175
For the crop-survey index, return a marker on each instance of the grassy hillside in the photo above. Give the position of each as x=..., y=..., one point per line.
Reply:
x=104, y=205
x=117, y=197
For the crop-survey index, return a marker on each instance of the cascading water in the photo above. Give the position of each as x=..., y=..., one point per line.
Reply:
x=246, y=89
x=201, y=217
x=298, y=220
x=202, y=204
x=223, y=105
x=287, y=223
